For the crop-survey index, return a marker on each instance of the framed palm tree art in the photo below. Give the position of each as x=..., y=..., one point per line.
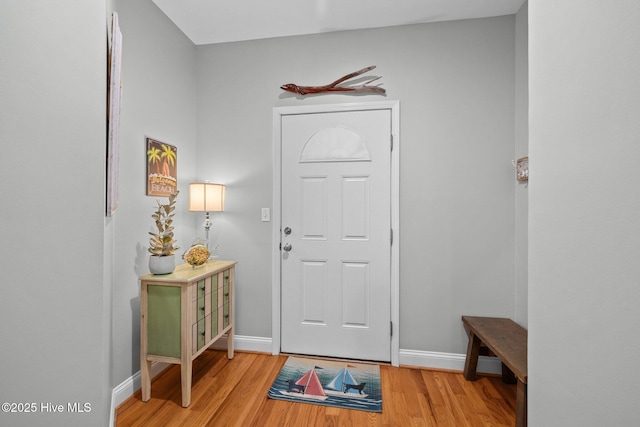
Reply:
x=162, y=168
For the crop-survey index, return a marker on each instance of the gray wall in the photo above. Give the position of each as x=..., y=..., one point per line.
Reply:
x=55, y=321
x=455, y=82
x=159, y=101
x=584, y=201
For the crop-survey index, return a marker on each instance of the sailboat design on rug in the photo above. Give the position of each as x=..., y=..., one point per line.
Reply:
x=344, y=385
x=307, y=386
x=347, y=384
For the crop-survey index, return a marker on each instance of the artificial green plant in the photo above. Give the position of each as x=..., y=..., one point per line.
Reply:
x=161, y=243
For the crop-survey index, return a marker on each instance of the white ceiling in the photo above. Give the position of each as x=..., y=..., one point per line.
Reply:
x=219, y=21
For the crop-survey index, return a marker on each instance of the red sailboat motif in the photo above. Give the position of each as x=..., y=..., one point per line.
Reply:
x=307, y=386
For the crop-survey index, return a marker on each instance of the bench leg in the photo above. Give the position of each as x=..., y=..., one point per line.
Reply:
x=508, y=377
x=521, y=405
x=471, y=362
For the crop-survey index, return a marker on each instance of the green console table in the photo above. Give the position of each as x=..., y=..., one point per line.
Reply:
x=182, y=314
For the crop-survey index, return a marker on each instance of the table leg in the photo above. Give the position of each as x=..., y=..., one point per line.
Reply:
x=230, y=343
x=508, y=377
x=145, y=380
x=521, y=404
x=185, y=372
x=471, y=362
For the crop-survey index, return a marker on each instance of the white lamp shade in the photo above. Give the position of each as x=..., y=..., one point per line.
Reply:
x=206, y=197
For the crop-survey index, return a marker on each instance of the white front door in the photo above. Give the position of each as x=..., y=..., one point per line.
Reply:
x=336, y=234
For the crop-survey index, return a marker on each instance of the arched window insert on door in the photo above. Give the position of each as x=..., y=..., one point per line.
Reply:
x=335, y=145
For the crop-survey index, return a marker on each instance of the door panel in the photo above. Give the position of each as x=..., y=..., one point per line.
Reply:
x=355, y=208
x=314, y=283
x=355, y=293
x=314, y=207
x=335, y=266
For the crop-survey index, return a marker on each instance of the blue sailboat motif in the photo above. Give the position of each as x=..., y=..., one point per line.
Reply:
x=345, y=385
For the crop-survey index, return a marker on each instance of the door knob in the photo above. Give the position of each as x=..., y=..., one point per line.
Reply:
x=287, y=247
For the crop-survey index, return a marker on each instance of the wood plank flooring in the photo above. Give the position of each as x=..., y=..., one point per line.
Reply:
x=234, y=393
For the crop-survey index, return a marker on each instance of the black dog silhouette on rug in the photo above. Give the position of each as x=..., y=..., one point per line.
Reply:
x=358, y=387
x=292, y=387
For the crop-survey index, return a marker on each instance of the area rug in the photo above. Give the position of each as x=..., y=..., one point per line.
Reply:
x=330, y=383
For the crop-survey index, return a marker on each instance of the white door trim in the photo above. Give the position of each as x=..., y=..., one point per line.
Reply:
x=278, y=112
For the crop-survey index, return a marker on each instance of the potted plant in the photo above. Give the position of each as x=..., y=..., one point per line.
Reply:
x=161, y=244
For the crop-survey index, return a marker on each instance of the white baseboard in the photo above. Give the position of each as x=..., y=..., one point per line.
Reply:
x=422, y=359
x=129, y=386
x=448, y=361
x=245, y=343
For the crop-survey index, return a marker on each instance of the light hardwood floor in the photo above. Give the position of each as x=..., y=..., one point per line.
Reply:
x=234, y=393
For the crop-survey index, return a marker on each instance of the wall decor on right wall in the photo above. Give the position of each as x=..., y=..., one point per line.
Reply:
x=522, y=169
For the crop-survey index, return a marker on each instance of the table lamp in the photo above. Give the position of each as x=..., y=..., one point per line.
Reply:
x=206, y=197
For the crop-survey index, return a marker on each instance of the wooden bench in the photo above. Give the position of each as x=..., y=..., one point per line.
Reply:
x=504, y=338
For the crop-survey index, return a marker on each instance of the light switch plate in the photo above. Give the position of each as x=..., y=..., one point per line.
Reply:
x=266, y=214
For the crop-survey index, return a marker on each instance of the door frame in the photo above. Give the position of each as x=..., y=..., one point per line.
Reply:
x=278, y=113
